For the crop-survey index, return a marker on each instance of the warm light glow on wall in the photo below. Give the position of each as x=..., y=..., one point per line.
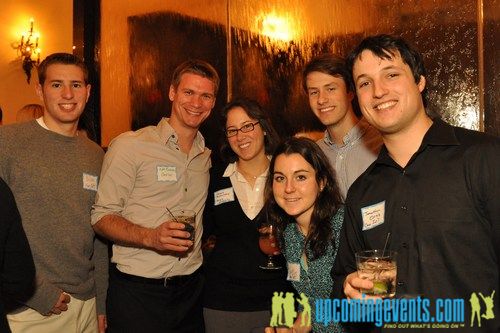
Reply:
x=275, y=27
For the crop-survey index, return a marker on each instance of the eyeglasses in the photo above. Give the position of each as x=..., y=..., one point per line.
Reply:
x=244, y=129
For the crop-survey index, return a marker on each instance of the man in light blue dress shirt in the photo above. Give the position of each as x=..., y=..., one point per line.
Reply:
x=350, y=143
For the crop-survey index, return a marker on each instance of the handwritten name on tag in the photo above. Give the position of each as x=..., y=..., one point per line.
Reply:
x=89, y=182
x=224, y=195
x=293, y=272
x=373, y=215
x=166, y=173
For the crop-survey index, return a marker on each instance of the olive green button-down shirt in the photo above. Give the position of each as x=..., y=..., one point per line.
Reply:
x=143, y=173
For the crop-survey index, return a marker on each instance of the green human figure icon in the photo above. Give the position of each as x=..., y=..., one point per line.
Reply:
x=475, y=309
x=306, y=311
x=289, y=309
x=488, y=302
x=277, y=309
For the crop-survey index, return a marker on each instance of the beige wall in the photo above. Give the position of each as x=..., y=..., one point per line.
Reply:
x=54, y=21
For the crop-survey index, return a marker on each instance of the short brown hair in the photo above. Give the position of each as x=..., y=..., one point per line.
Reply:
x=198, y=67
x=64, y=59
x=331, y=64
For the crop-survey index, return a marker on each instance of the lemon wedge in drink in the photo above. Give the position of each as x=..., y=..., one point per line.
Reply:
x=379, y=287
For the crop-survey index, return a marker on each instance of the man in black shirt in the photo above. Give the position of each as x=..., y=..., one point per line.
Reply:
x=434, y=188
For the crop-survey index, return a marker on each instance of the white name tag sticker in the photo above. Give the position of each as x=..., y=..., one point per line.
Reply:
x=224, y=195
x=166, y=173
x=293, y=272
x=89, y=182
x=373, y=215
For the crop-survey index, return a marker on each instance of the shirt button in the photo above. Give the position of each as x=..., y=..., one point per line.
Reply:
x=401, y=283
x=185, y=190
x=404, y=208
x=404, y=172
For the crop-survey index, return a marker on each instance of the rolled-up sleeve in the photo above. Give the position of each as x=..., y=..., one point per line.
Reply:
x=117, y=180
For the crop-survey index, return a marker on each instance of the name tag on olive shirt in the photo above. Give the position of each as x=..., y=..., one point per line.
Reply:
x=224, y=195
x=373, y=215
x=166, y=173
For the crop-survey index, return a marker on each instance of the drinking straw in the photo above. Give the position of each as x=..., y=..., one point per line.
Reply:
x=175, y=219
x=386, y=242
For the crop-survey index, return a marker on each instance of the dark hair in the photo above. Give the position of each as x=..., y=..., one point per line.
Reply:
x=385, y=47
x=331, y=64
x=64, y=59
x=198, y=67
x=254, y=111
x=327, y=204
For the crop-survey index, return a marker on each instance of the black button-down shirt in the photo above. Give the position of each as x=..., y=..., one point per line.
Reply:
x=443, y=212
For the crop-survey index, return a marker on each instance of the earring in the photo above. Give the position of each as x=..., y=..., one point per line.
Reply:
x=265, y=133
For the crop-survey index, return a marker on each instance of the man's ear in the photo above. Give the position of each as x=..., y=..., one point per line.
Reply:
x=88, y=92
x=421, y=83
x=171, y=93
x=350, y=95
x=39, y=91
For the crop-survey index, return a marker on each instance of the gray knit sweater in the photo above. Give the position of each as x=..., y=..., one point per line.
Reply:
x=47, y=172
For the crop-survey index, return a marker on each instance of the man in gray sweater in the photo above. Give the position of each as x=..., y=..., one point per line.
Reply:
x=53, y=174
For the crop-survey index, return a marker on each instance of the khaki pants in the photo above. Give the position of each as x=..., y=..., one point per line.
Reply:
x=81, y=317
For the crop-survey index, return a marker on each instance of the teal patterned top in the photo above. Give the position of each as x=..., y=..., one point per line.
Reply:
x=315, y=280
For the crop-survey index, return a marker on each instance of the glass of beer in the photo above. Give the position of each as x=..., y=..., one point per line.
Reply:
x=380, y=267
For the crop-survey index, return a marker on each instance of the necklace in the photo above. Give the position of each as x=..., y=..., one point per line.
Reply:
x=248, y=174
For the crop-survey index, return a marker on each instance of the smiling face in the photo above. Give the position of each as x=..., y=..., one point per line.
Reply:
x=295, y=187
x=64, y=94
x=387, y=93
x=328, y=98
x=192, y=101
x=249, y=145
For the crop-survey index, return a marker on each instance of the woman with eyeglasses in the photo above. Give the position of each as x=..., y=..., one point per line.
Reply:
x=238, y=293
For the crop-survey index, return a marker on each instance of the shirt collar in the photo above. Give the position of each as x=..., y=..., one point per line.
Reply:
x=231, y=169
x=354, y=133
x=167, y=134
x=439, y=134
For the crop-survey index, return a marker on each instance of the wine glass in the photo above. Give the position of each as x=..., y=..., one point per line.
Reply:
x=268, y=244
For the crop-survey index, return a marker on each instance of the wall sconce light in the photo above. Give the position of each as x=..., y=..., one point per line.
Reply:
x=29, y=51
